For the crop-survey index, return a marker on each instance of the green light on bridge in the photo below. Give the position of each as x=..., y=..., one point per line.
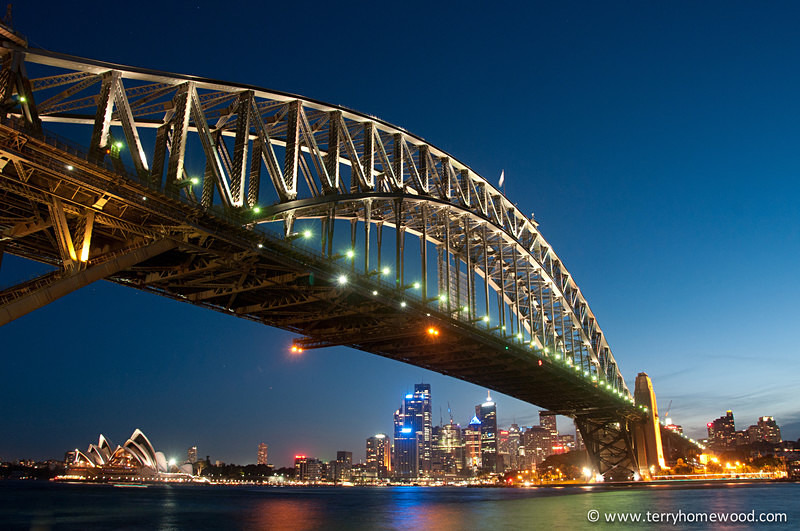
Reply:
x=256, y=210
x=195, y=180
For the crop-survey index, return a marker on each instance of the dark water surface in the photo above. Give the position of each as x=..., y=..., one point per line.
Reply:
x=44, y=505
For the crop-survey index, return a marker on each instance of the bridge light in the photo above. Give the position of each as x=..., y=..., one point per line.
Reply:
x=256, y=210
x=386, y=271
x=69, y=167
x=465, y=309
x=23, y=99
x=403, y=304
x=306, y=234
x=374, y=292
x=503, y=327
x=416, y=285
x=195, y=180
x=260, y=245
x=342, y=280
x=485, y=318
x=540, y=363
x=350, y=253
x=118, y=144
x=433, y=331
x=297, y=349
x=594, y=377
x=443, y=298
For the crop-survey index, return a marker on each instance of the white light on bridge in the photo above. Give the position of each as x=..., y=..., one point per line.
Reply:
x=374, y=292
x=403, y=304
x=70, y=167
x=386, y=271
x=195, y=180
x=342, y=280
x=306, y=233
x=350, y=253
x=486, y=318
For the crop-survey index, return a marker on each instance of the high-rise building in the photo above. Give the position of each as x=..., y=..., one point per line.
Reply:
x=472, y=445
x=769, y=429
x=379, y=455
x=191, y=455
x=722, y=432
x=413, y=433
x=487, y=414
x=450, y=448
x=262, y=454
x=307, y=468
x=547, y=420
x=538, y=443
x=340, y=470
x=514, y=442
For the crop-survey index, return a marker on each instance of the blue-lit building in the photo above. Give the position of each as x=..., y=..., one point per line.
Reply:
x=413, y=434
x=487, y=414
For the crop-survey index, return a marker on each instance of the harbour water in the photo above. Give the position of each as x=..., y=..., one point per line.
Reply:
x=46, y=505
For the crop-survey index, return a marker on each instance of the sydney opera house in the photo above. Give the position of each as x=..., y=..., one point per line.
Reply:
x=136, y=460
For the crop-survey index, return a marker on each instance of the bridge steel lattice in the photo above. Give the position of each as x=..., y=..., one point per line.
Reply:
x=234, y=237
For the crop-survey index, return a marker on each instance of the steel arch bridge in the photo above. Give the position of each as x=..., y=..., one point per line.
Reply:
x=296, y=214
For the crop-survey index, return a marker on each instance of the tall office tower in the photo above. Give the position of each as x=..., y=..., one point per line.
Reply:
x=413, y=424
x=262, y=454
x=503, y=457
x=451, y=448
x=406, y=442
x=514, y=441
x=191, y=455
x=487, y=414
x=547, y=420
x=379, y=455
x=472, y=445
x=538, y=443
x=722, y=432
x=420, y=405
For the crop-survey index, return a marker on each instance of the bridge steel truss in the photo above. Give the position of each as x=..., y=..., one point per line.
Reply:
x=511, y=316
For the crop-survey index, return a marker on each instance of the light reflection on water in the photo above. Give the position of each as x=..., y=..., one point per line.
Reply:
x=27, y=505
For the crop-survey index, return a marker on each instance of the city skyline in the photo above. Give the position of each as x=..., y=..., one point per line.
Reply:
x=655, y=163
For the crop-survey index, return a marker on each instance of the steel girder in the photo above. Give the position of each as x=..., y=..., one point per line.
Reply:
x=323, y=146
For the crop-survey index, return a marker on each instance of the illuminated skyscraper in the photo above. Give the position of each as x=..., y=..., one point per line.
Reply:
x=487, y=414
x=451, y=448
x=262, y=454
x=547, y=420
x=472, y=444
x=379, y=455
x=514, y=442
x=413, y=433
x=191, y=455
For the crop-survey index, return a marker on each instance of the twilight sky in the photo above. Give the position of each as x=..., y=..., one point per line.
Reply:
x=657, y=143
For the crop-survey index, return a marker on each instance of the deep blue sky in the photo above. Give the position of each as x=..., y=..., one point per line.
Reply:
x=656, y=143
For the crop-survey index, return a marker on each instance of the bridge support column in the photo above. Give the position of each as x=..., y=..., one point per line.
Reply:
x=21, y=300
x=610, y=445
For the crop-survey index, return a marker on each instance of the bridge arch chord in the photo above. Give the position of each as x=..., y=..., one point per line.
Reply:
x=315, y=160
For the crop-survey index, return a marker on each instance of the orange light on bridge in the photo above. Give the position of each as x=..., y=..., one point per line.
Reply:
x=297, y=349
x=433, y=331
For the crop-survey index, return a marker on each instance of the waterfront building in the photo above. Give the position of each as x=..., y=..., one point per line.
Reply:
x=340, y=470
x=191, y=455
x=487, y=414
x=307, y=468
x=503, y=457
x=262, y=454
x=769, y=430
x=134, y=460
x=379, y=455
x=722, y=432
